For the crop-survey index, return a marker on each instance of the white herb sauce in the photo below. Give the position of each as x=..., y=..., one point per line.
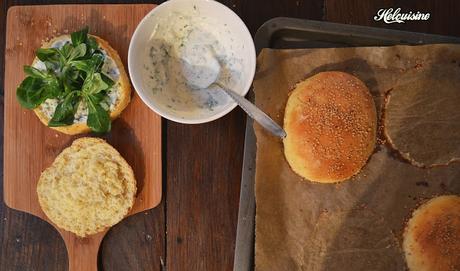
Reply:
x=109, y=68
x=188, y=46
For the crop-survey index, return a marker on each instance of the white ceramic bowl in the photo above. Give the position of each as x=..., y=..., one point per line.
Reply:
x=220, y=16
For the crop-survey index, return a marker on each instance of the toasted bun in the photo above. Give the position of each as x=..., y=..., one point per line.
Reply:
x=123, y=100
x=89, y=187
x=331, y=123
x=432, y=236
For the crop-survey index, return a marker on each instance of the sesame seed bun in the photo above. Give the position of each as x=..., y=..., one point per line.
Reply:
x=432, y=236
x=330, y=121
x=123, y=99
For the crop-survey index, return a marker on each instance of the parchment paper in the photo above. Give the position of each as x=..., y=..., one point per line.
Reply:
x=358, y=224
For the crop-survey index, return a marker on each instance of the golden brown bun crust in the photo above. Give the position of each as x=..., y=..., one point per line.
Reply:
x=88, y=188
x=123, y=101
x=330, y=121
x=432, y=236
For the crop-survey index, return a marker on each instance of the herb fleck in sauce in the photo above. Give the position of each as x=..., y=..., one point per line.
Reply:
x=184, y=45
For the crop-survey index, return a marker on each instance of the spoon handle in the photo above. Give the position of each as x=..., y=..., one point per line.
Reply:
x=255, y=113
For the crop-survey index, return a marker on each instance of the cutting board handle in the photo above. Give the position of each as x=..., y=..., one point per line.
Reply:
x=82, y=252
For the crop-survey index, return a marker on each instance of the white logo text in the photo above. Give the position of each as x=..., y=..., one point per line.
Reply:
x=390, y=15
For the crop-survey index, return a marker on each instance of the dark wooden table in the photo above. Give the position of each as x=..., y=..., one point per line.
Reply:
x=194, y=227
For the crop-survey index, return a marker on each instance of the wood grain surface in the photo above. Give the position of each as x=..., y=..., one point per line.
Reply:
x=194, y=226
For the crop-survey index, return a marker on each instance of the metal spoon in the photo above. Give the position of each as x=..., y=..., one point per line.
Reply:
x=203, y=76
x=254, y=112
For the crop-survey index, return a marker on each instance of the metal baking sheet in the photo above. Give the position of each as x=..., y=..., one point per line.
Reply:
x=290, y=33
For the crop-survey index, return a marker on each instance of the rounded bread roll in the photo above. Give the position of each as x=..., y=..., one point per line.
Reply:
x=89, y=187
x=123, y=99
x=330, y=121
x=432, y=236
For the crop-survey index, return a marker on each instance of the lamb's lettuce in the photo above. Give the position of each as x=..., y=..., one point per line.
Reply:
x=72, y=75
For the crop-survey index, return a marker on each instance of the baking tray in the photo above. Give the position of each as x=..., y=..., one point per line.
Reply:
x=290, y=33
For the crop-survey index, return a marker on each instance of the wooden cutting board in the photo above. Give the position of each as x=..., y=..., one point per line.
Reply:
x=30, y=147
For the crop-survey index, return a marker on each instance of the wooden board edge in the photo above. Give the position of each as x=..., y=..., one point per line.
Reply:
x=10, y=12
x=160, y=151
x=159, y=194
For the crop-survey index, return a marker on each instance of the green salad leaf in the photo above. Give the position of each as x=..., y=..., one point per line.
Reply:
x=31, y=93
x=48, y=80
x=34, y=72
x=72, y=74
x=107, y=80
x=51, y=57
x=92, y=44
x=65, y=111
x=48, y=54
x=76, y=52
x=98, y=117
x=79, y=37
x=37, y=87
x=94, y=84
x=71, y=80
